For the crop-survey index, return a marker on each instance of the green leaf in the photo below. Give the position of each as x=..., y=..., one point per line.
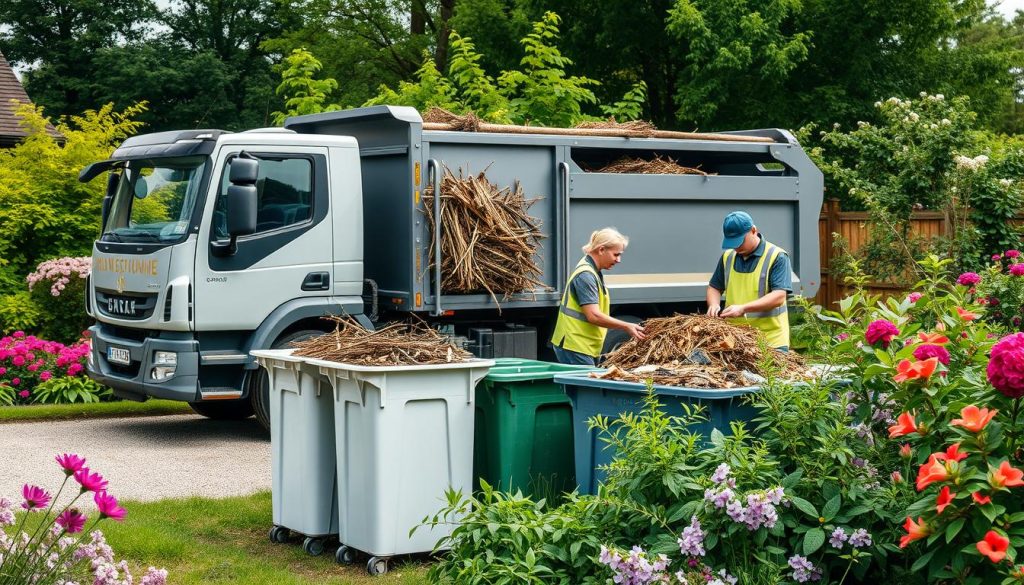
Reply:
x=792, y=479
x=922, y=561
x=717, y=438
x=832, y=507
x=804, y=506
x=813, y=540
x=954, y=528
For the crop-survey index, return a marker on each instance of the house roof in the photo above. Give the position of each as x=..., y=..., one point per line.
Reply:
x=11, y=131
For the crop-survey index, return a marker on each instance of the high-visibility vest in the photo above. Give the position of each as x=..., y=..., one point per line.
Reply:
x=572, y=330
x=745, y=287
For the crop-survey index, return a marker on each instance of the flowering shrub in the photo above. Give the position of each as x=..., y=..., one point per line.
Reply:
x=56, y=549
x=1001, y=290
x=36, y=370
x=58, y=288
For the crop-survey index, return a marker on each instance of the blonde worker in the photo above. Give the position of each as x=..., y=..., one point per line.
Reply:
x=755, y=276
x=583, y=318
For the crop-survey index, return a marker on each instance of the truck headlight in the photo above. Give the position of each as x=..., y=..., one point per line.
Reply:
x=164, y=364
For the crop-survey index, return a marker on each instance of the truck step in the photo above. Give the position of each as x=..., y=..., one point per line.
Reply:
x=220, y=393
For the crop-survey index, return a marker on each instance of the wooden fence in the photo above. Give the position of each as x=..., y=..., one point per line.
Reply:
x=852, y=226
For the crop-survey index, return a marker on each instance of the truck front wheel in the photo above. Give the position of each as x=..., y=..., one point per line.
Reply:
x=259, y=382
x=223, y=409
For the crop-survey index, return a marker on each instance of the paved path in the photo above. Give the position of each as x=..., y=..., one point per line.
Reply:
x=144, y=458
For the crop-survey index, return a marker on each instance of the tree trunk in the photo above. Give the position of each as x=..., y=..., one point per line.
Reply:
x=418, y=18
x=441, y=54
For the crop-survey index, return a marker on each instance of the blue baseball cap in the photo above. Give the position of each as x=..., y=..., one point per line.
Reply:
x=735, y=228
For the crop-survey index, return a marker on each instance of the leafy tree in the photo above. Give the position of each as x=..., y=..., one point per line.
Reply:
x=44, y=211
x=303, y=94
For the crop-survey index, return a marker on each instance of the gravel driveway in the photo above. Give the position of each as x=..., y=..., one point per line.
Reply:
x=144, y=458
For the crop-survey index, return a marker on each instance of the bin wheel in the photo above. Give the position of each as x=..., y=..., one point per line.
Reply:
x=345, y=555
x=314, y=547
x=279, y=535
x=377, y=566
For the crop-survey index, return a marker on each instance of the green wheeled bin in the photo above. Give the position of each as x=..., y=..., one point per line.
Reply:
x=523, y=431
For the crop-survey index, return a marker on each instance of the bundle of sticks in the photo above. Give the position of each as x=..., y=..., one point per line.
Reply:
x=696, y=351
x=488, y=238
x=657, y=166
x=398, y=344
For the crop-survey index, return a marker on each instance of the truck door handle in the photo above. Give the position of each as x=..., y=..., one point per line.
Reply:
x=316, y=281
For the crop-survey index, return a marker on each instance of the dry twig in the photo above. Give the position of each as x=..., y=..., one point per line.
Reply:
x=658, y=165
x=398, y=344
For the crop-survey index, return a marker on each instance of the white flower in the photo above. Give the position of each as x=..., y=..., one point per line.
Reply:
x=945, y=122
x=980, y=160
x=914, y=117
x=878, y=104
x=924, y=94
x=939, y=97
x=1005, y=182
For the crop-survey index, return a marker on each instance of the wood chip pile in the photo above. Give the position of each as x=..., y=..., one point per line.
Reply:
x=657, y=166
x=695, y=351
x=398, y=344
x=488, y=238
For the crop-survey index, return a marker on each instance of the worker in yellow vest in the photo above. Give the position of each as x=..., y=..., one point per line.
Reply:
x=583, y=318
x=756, y=276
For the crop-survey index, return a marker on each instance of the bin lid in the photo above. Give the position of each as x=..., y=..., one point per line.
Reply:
x=276, y=354
x=583, y=379
x=522, y=370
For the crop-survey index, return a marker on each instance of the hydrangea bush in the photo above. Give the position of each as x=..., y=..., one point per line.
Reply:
x=57, y=543
x=58, y=288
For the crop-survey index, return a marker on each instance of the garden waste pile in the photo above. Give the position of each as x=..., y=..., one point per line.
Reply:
x=694, y=351
x=656, y=166
x=489, y=240
x=398, y=344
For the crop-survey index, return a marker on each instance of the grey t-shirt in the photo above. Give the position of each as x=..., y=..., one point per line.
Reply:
x=585, y=288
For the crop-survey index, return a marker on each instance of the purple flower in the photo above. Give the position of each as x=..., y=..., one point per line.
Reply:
x=721, y=473
x=719, y=498
x=691, y=541
x=803, y=570
x=838, y=537
x=969, y=279
x=860, y=538
x=735, y=511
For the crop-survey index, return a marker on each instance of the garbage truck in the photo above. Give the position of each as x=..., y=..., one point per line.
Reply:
x=217, y=243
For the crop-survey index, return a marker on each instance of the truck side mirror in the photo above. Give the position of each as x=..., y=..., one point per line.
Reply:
x=241, y=209
x=244, y=171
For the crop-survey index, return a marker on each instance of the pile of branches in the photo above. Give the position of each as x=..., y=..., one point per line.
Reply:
x=488, y=239
x=695, y=351
x=398, y=344
x=657, y=166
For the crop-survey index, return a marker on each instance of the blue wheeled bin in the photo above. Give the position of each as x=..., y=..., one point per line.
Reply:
x=594, y=396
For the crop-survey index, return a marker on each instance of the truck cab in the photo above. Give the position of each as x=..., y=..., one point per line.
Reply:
x=166, y=260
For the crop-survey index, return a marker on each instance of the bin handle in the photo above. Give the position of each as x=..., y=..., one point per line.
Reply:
x=563, y=175
x=434, y=170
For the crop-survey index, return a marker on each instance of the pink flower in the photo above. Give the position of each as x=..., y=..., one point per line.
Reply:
x=15, y=381
x=70, y=463
x=1011, y=253
x=18, y=360
x=841, y=337
x=923, y=352
x=71, y=520
x=18, y=334
x=35, y=497
x=881, y=331
x=1006, y=366
x=90, y=482
x=24, y=393
x=74, y=369
x=44, y=376
x=997, y=257
x=968, y=279
x=33, y=367
x=108, y=507
x=3, y=371
x=914, y=297
x=1017, y=269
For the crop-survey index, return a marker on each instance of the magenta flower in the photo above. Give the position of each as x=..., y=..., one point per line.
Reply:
x=923, y=352
x=1012, y=253
x=70, y=463
x=45, y=375
x=15, y=381
x=18, y=360
x=90, y=482
x=969, y=279
x=1006, y=366
x=108, y=507
x=18, y=334
x=842, y=336
x=881, y=331
x=914, y=297
x=35, y=497
x=24, y=393
x=1017, y=269
x=997, y=257
x=71, y=520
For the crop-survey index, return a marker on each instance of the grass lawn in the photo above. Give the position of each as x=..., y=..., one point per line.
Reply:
x=201, y=540
x=120, y=408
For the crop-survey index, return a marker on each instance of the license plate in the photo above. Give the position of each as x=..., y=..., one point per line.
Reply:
x=119, y=355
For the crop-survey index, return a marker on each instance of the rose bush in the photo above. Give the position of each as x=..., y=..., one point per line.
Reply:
x=37, y=370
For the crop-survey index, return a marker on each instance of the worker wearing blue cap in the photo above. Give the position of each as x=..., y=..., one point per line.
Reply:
x=756, y=277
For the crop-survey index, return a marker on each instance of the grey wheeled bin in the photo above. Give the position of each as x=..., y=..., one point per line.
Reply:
x=304, y=485
x=404, y=435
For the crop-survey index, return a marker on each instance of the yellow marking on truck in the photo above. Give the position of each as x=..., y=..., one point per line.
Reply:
x=123, y=265
x=416, y=197
x=419, y=299
x=416, y=174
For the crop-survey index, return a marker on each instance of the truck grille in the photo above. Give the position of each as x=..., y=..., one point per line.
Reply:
x=125, y=306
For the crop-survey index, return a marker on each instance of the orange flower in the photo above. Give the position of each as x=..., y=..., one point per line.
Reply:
x=973, y=418
x=908, y=370
x=981, y=499
x=915, y=531
x=932, y=471
x=905, y=425
x=994, y=546
x=933, y=338
x=1005, y=476
x=945, y=498
x=953, y=453
x=905, y=451
x=966, y=315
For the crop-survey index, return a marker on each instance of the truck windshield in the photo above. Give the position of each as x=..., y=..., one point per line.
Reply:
x=154, y=200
